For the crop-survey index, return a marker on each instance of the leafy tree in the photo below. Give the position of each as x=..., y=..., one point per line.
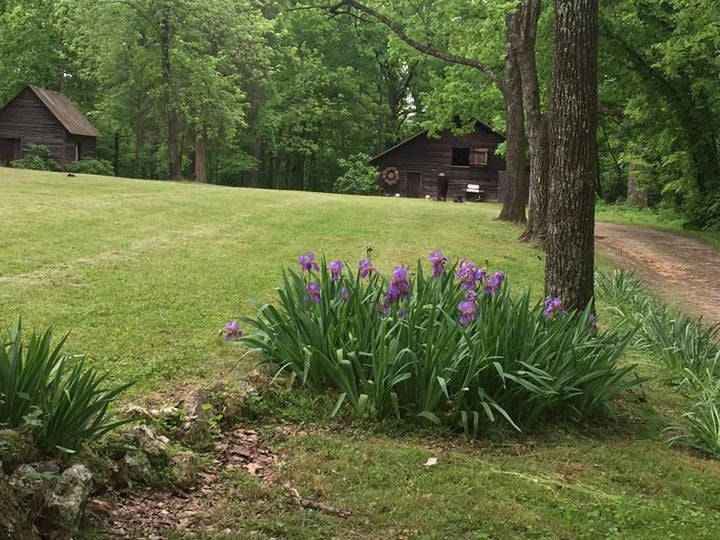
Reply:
x=359, y=177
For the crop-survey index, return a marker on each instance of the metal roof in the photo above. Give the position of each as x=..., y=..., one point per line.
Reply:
x=478, y=125
x=66, y=113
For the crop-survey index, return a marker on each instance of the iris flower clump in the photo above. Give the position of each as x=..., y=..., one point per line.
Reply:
x=450, y=344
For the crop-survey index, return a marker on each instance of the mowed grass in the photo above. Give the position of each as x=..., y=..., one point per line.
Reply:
x=144, y=274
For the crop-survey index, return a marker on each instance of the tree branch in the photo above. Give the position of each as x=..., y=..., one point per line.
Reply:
x=425, y=48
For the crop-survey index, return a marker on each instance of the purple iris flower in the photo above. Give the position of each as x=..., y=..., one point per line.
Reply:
x=344, y=294
x=553, y=307
x=592, y=319
x=365, y=268
x=232, y=331
x=399, y=285
x=438, y=261
x=307, y=262
x=467, y=311
x=469, y=275
x=335, y=268
x=313, y=291
x=492, y=285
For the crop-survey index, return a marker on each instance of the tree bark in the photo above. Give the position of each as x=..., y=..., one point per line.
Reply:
x=200, y=159
x=570, y=241
x=513, y=209
x=116, y=154
x=536, y=122
x=173, y=119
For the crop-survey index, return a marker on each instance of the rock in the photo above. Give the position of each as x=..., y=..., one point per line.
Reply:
x=31, y=482
x=13, y=522
x=185, y=466
x=198, y=405
x=247, y=390
x=136, y=412
x=134, y=467
x=148, y=441
x=65, y=503
x=15, y=449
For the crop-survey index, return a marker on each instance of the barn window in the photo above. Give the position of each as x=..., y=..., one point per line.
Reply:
x=460, y=157
x=479, y=157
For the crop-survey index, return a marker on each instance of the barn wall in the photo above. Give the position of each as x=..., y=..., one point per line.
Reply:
x=87, y=147
x=433, y=156
x=26, y=118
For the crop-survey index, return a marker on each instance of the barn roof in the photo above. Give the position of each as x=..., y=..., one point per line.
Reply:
x=478, y=125
x=66, y=112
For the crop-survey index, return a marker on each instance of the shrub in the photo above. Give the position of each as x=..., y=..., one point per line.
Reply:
x=359, y=177
x=453, y=347
x=62, y=401
x=92, y=166
x=38, y=158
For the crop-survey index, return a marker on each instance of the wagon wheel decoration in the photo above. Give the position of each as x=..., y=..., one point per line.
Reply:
x=390, y=176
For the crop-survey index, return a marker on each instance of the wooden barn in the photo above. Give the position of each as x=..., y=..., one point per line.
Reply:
x=43, y=117
x=450, y=167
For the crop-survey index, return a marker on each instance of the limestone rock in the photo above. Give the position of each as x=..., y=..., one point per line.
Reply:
x=31, y=482
x=13, y=522
x=65, y=503
x=134, y=467
x=148, y=441
x=185, y=466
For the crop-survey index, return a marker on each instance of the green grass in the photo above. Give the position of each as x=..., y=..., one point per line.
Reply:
x=145, y=274
x=663, y=220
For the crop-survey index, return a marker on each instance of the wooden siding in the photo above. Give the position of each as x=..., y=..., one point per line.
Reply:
x=430, y=157
x=28, y=119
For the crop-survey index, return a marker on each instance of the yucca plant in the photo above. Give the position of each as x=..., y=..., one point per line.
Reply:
x=454, y=346
x=62, y=400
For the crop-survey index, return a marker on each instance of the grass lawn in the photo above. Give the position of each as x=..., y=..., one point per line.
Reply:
x=646, y=217
x=146, y=273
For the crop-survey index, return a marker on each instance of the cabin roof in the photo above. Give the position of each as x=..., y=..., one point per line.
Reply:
x=66, y=112
x=478, y=126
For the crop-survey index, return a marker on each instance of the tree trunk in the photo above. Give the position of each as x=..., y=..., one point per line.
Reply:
x=513, y=209
x=200, y=159
x=573, y=143
x=173, y=120
x=636, y=190
x=116, y=154
x=258, y=153
x=535, y=122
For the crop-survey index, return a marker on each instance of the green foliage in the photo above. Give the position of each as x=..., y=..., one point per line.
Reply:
x=681, y=342
x=92, y=166
x=39, y=158
x=359, y=178
x=420, y=361
x=689, y=349
x=63, y=402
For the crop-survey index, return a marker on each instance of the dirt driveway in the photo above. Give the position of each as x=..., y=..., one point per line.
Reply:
x=682, y=270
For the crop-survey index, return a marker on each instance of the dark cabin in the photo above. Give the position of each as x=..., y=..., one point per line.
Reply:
x=37, y=116
x=418, y=166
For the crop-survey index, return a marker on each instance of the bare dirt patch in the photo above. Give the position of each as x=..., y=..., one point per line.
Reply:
x=682, y=270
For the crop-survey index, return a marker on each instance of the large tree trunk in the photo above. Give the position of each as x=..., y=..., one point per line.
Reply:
x=116, y=154
x=200, y=159
x=513, y=209
x=570, y=241
x=535, y=122
x=173, y=119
